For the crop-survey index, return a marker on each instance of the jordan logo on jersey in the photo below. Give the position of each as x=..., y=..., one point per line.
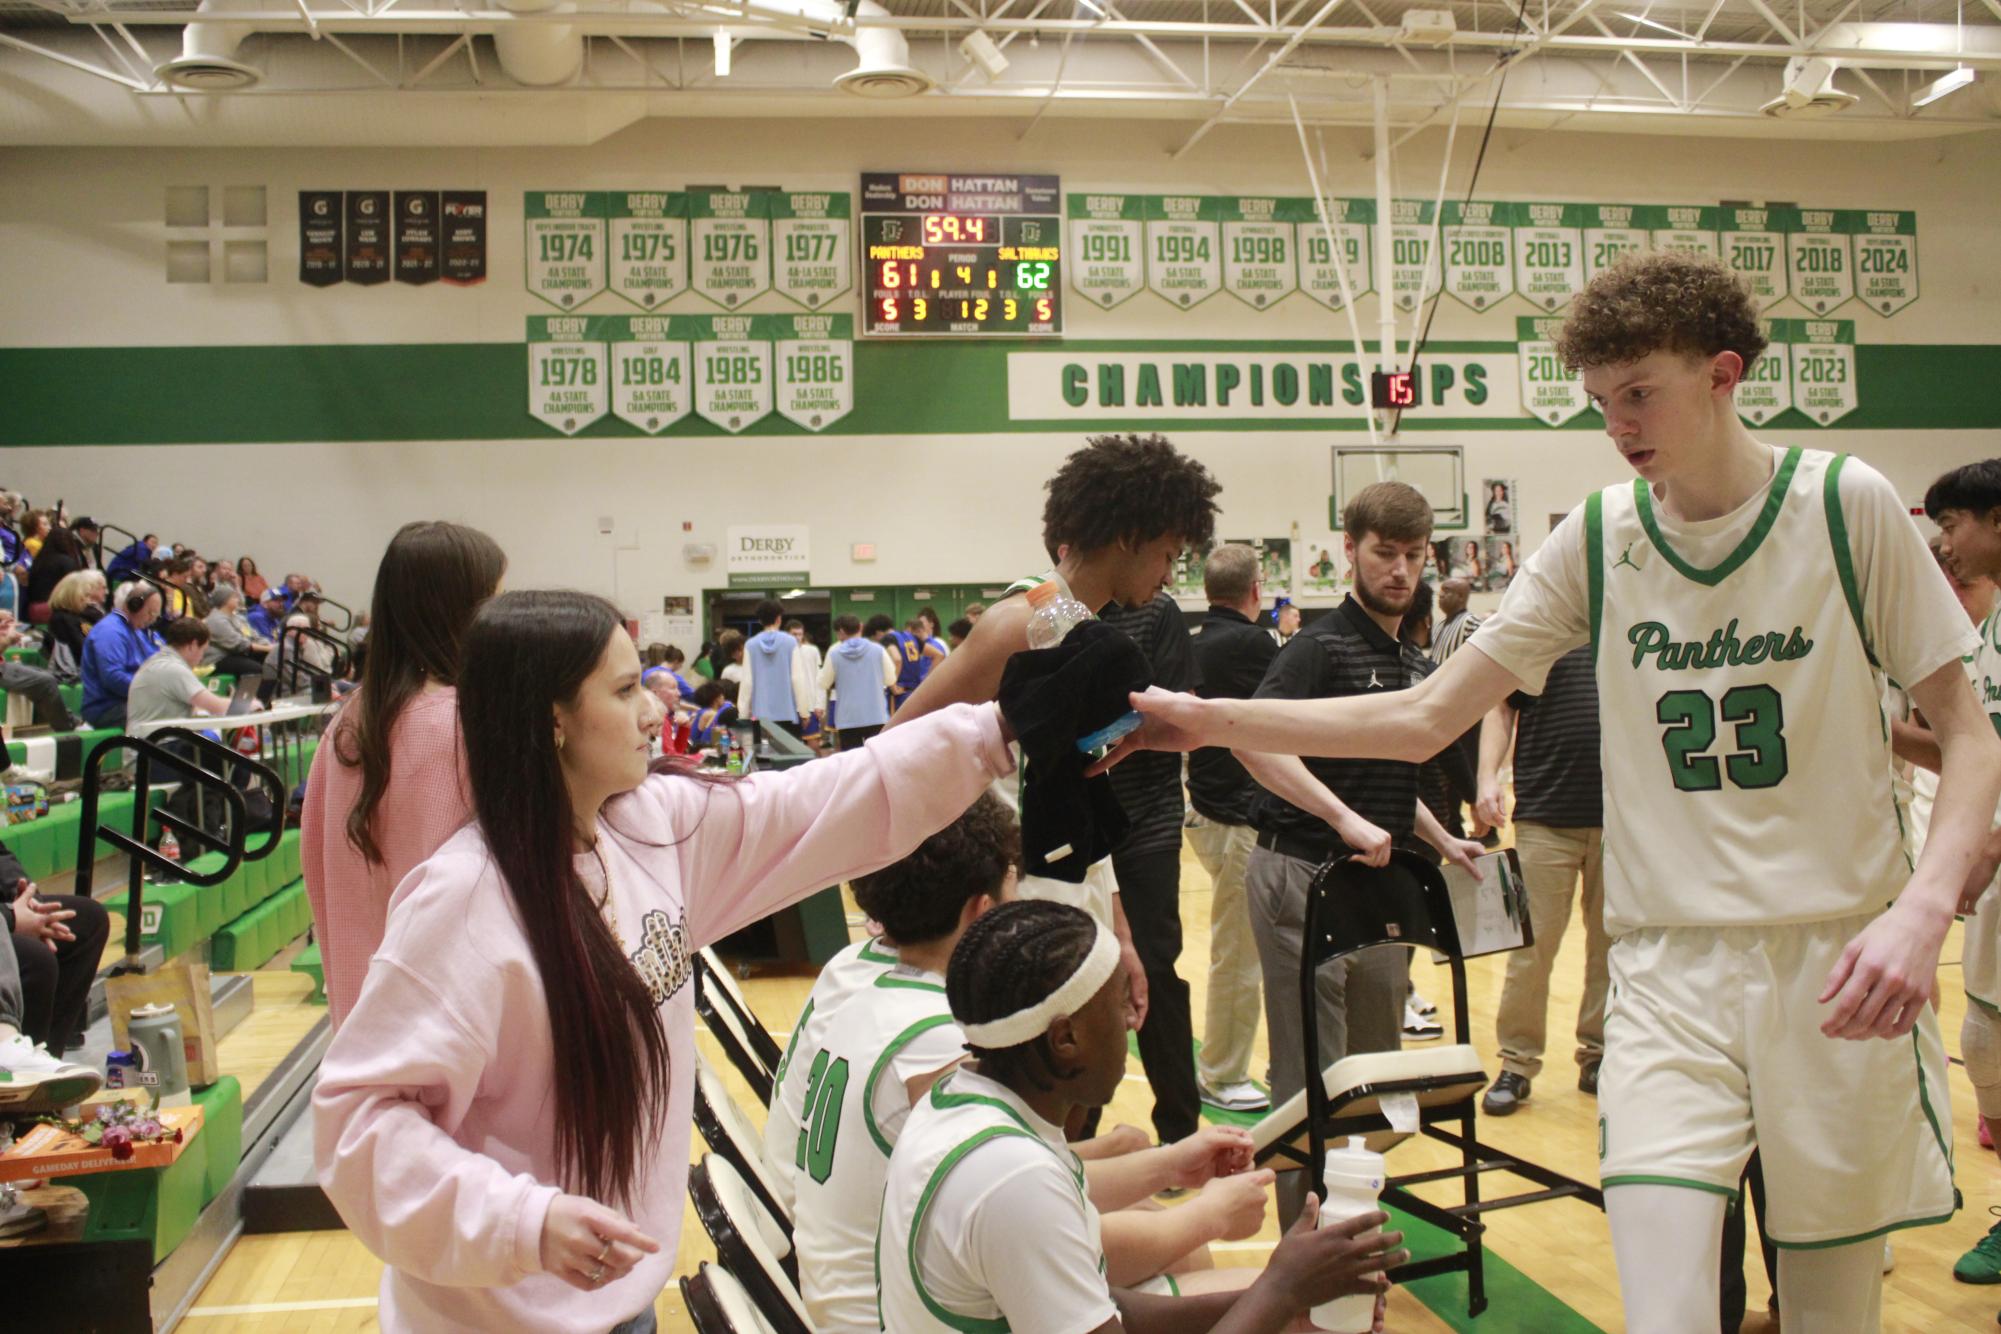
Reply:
x=1374, y=682
x=1722, y=648
x=1626, y=558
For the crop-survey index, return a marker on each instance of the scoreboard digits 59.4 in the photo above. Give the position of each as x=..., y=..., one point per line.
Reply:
x=961, y=254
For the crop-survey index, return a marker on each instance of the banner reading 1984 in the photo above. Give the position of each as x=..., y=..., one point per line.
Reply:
x=651, y=368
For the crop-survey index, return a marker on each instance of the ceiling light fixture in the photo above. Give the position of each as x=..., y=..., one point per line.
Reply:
x=1943, y=86
x=722, y=53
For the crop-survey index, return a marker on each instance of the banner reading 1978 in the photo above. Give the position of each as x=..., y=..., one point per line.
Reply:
x=567, y=379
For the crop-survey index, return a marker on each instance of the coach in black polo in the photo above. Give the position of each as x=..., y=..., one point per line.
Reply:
x=1316, y=809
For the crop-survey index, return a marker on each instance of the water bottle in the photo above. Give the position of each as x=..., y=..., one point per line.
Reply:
x=1354, y=1181
x=1053, y=615
x=160, y=1054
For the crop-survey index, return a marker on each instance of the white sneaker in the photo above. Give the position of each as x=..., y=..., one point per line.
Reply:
x=1889, y=1256
x=1242, y=1096
x=1416, y=1001
x=33, y=1081
x=1417, y=1027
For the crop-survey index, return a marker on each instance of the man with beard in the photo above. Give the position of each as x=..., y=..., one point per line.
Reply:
x=1317, y=809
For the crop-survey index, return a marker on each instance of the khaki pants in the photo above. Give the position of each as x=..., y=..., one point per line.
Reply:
x=1231, y=1024
x=1552, y=861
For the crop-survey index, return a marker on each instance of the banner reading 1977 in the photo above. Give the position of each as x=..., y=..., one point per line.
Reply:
x=811, y=246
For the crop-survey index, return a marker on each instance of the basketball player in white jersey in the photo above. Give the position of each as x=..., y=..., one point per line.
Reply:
x=1774, y=951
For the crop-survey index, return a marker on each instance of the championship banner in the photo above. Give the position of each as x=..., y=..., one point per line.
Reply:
x=732, y=368
x=1754, y=246
x=1474, y=233
x=730, y=232
x=1886, y=257
x=417, y=236
x=1767, y=387
x=1549, y=252
x=1414, y=274
x=564, y=240
x=649, y=245
x=1184, y=248
x=652, y=368
x=815, y=359
x=463, y=218
x=1682, y=227
x=365, y=257
x=1319, y=277
x=1611, y=230
x=1550, y=392
x=1259, y=268
x=1107, y=247
x=1820, y=259
x=1824, y=385
x=811, y=241
x=566, y=371
x=320, y=217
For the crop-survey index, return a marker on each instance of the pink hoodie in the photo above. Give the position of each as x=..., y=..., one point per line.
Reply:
x=434, y=1114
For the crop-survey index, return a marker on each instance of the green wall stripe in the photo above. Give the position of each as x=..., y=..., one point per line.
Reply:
x=478, y=391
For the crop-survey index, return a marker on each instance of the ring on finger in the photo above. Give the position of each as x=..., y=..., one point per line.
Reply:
x=596, y=1275
x=599, y=1257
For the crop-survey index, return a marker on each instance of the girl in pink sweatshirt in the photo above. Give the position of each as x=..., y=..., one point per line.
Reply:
x=504, y=1116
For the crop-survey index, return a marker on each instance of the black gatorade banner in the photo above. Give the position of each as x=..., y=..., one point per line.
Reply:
x=417, y=236
x=367, y=251
x=319, y=237
x=464, y=213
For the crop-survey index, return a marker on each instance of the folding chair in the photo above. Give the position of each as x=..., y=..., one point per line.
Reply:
x=729, y=1132
x=752, y=1050
x=718, y=1304
x=749, y=1243
x=1352, y=907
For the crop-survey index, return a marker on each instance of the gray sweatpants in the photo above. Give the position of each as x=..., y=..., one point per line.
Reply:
x=1361, y=997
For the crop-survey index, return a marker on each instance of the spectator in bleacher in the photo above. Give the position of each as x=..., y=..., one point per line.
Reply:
x=62, y=555
x=676, y=662
x=89, y=533
x=222, y=572
x=35, y=531
x=306, y=660
x=178, y=575
x=115, y=649
x=713, y=713
x=37, y=1079
x=232, y=646
x=387, y=788
x=504, y=1116
x=35, y=684
x=672, y=738
x=253, y=582
x=165, y=686
x=729, y=657
x=75, y=606
x=267, y=618
x=57, y=941
x=126, y=564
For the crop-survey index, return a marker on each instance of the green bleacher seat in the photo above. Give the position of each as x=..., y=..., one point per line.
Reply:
x=222, y=1126
x=31, y=656
x=309, y=963
x=171, y=917
x=157, y=1204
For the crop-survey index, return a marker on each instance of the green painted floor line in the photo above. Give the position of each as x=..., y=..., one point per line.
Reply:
x=1516, y=1303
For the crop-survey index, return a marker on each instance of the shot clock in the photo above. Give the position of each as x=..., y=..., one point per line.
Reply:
x=961, y=254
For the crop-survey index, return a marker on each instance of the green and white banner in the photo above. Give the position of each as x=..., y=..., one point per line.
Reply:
x=732, y=369
x=1184, y=248
x=812, y=244
x=1682, y=227
x=815, y=357
x=1319, y=277
x=1550, y=392
x=1549, y=252
x=649, y=246
x=1754, y=246
x=1611, y=230
x=1478, y=270
x=564, y=241
x=1819, y=258
x=1107, y=259
x=567, y=375
x=1824, y=385
x=651, y=368
x=1886, y=257
x=1414, y=272
x=730, y=236
x=1258, y=264
x=1767, y=388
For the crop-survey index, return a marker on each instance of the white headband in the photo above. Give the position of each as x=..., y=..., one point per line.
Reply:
x=1025, y=1025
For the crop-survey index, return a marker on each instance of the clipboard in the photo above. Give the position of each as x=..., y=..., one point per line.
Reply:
x=1490, y=914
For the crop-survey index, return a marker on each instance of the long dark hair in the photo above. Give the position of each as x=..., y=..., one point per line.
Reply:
x=432, y=579
x=524, y=654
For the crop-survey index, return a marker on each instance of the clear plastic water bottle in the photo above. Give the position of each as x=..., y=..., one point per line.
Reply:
x=1053, y=615
x=1354, y=1183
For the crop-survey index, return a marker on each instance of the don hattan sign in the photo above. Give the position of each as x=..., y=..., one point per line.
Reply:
x=768, y=556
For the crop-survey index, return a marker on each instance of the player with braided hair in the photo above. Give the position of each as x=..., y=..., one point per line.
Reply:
x=988, y=1216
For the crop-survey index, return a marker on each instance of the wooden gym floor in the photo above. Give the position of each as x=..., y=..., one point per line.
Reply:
x=326, y=1282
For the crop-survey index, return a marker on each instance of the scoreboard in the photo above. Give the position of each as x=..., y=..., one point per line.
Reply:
x=961, y=255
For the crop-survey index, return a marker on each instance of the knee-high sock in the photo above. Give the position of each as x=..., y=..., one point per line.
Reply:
x=1667, y=1240
x=1835, y=1291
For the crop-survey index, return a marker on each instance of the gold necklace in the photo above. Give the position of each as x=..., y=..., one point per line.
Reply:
x=603, y=904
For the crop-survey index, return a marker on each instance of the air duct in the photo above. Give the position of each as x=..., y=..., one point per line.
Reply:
x=538, y=54
x=207, y=62
x=1809, y=90
x=882, y=67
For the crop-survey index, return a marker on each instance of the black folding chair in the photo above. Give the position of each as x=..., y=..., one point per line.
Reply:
x=718, y=1304
x=1351, y=907
x=730, y=1133
x=751, y=1049
x=749, y=1243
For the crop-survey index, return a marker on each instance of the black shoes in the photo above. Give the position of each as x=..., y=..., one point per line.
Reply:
x=1587, y=1078
x=1507, y=1093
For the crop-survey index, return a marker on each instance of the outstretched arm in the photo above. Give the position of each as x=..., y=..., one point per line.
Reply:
x=973, y=674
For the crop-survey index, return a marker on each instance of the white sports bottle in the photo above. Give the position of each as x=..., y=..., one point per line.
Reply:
x=1055, y=615
x=1354, y=1181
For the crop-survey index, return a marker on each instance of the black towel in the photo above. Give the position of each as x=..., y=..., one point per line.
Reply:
x=1051, y=697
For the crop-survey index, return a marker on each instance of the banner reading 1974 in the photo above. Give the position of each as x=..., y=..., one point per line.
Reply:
x=651, y=368
x=564, y=240
x=810, y=243
x=1767, y=387
x=1319, y=276
x=730, y=233
x=1258, y=264
x=1107, y=259
x=1886, y=257
x=567, y=379
x=649, y=246
x=732, y=370
x=814, y=356
x=1550, y=391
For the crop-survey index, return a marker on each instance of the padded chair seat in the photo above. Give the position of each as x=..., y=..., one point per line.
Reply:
x=1439, y=1076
